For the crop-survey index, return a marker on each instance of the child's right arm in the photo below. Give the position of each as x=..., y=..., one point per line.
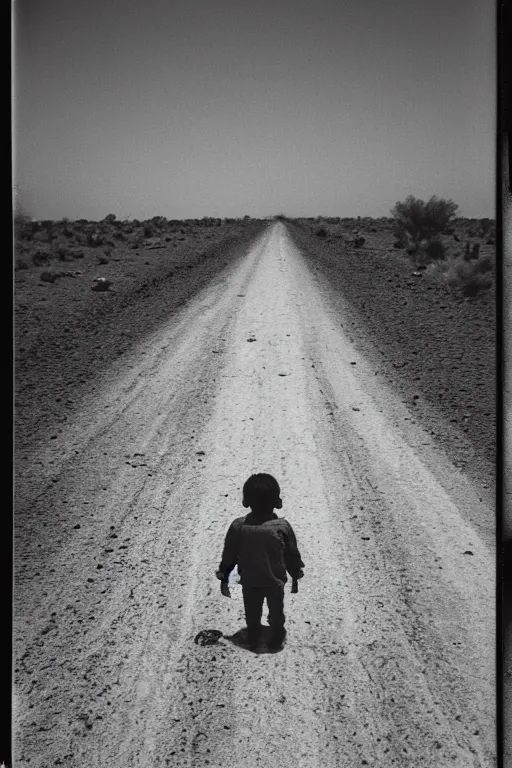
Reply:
x=230, y=552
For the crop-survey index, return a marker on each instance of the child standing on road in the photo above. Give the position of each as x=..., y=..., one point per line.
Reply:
x=264, y=548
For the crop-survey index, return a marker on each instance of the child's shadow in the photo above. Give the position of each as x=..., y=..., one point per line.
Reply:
x=240, y=640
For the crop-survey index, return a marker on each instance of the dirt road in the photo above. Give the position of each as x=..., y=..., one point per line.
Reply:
x=391, y=641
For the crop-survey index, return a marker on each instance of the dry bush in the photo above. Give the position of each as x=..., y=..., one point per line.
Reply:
x=476, y=284
x=22, y=225
x=485, y=227
x=468, y=277
x=40, y=257
x=471, y=251
x=418, y=221
x=434, y=250
x=486, y=263
x=48, y=277
x=94, y=239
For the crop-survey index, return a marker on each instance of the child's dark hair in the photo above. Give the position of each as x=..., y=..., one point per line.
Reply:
x=261, y=490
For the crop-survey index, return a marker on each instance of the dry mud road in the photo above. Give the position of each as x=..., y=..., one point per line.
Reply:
x=391, y=638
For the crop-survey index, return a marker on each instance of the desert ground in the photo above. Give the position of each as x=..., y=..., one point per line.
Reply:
x=364, y=383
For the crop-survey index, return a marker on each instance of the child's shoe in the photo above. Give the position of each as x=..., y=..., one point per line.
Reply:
x=276, y=642
x=253, y=636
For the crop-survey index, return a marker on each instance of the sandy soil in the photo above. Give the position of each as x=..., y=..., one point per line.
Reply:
x=436, y=347
x=66, y=334
x=120, y=522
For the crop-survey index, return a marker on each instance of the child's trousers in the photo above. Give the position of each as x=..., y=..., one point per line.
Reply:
x=253, y=604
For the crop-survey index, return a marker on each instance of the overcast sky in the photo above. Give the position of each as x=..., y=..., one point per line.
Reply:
x=187, y=109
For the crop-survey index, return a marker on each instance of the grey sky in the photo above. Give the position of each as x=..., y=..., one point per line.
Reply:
x=190, y=109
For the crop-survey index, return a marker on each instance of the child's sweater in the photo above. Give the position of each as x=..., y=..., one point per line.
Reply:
x=264, y=549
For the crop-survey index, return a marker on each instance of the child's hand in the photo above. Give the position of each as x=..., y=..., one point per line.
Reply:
x=221, y=576
x=224, y=589
x=299, y=575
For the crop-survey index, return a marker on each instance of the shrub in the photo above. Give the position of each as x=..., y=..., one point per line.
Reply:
x=485, y=263
x=94, y=240
x=21, y=220
x=471, y=251
x=435, y=250
x=418, y=220
x=469, y=277
x=39, y=258
x=476, y=284
x=358, y=242
x=20, y=264
x=321, y=232
x=48, y=277
x=148, y=232
x=485, y=226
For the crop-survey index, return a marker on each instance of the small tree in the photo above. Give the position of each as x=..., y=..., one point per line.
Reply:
x=21, y=223
x=420, y=221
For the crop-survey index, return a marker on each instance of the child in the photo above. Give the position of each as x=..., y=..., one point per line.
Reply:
x=264, y=547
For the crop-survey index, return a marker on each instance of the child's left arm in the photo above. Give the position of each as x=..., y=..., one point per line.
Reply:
x=293, y=560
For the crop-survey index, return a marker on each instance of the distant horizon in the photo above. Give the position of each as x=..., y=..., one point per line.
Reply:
x=21, y=209
x=270, y=217
x=189, y=109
